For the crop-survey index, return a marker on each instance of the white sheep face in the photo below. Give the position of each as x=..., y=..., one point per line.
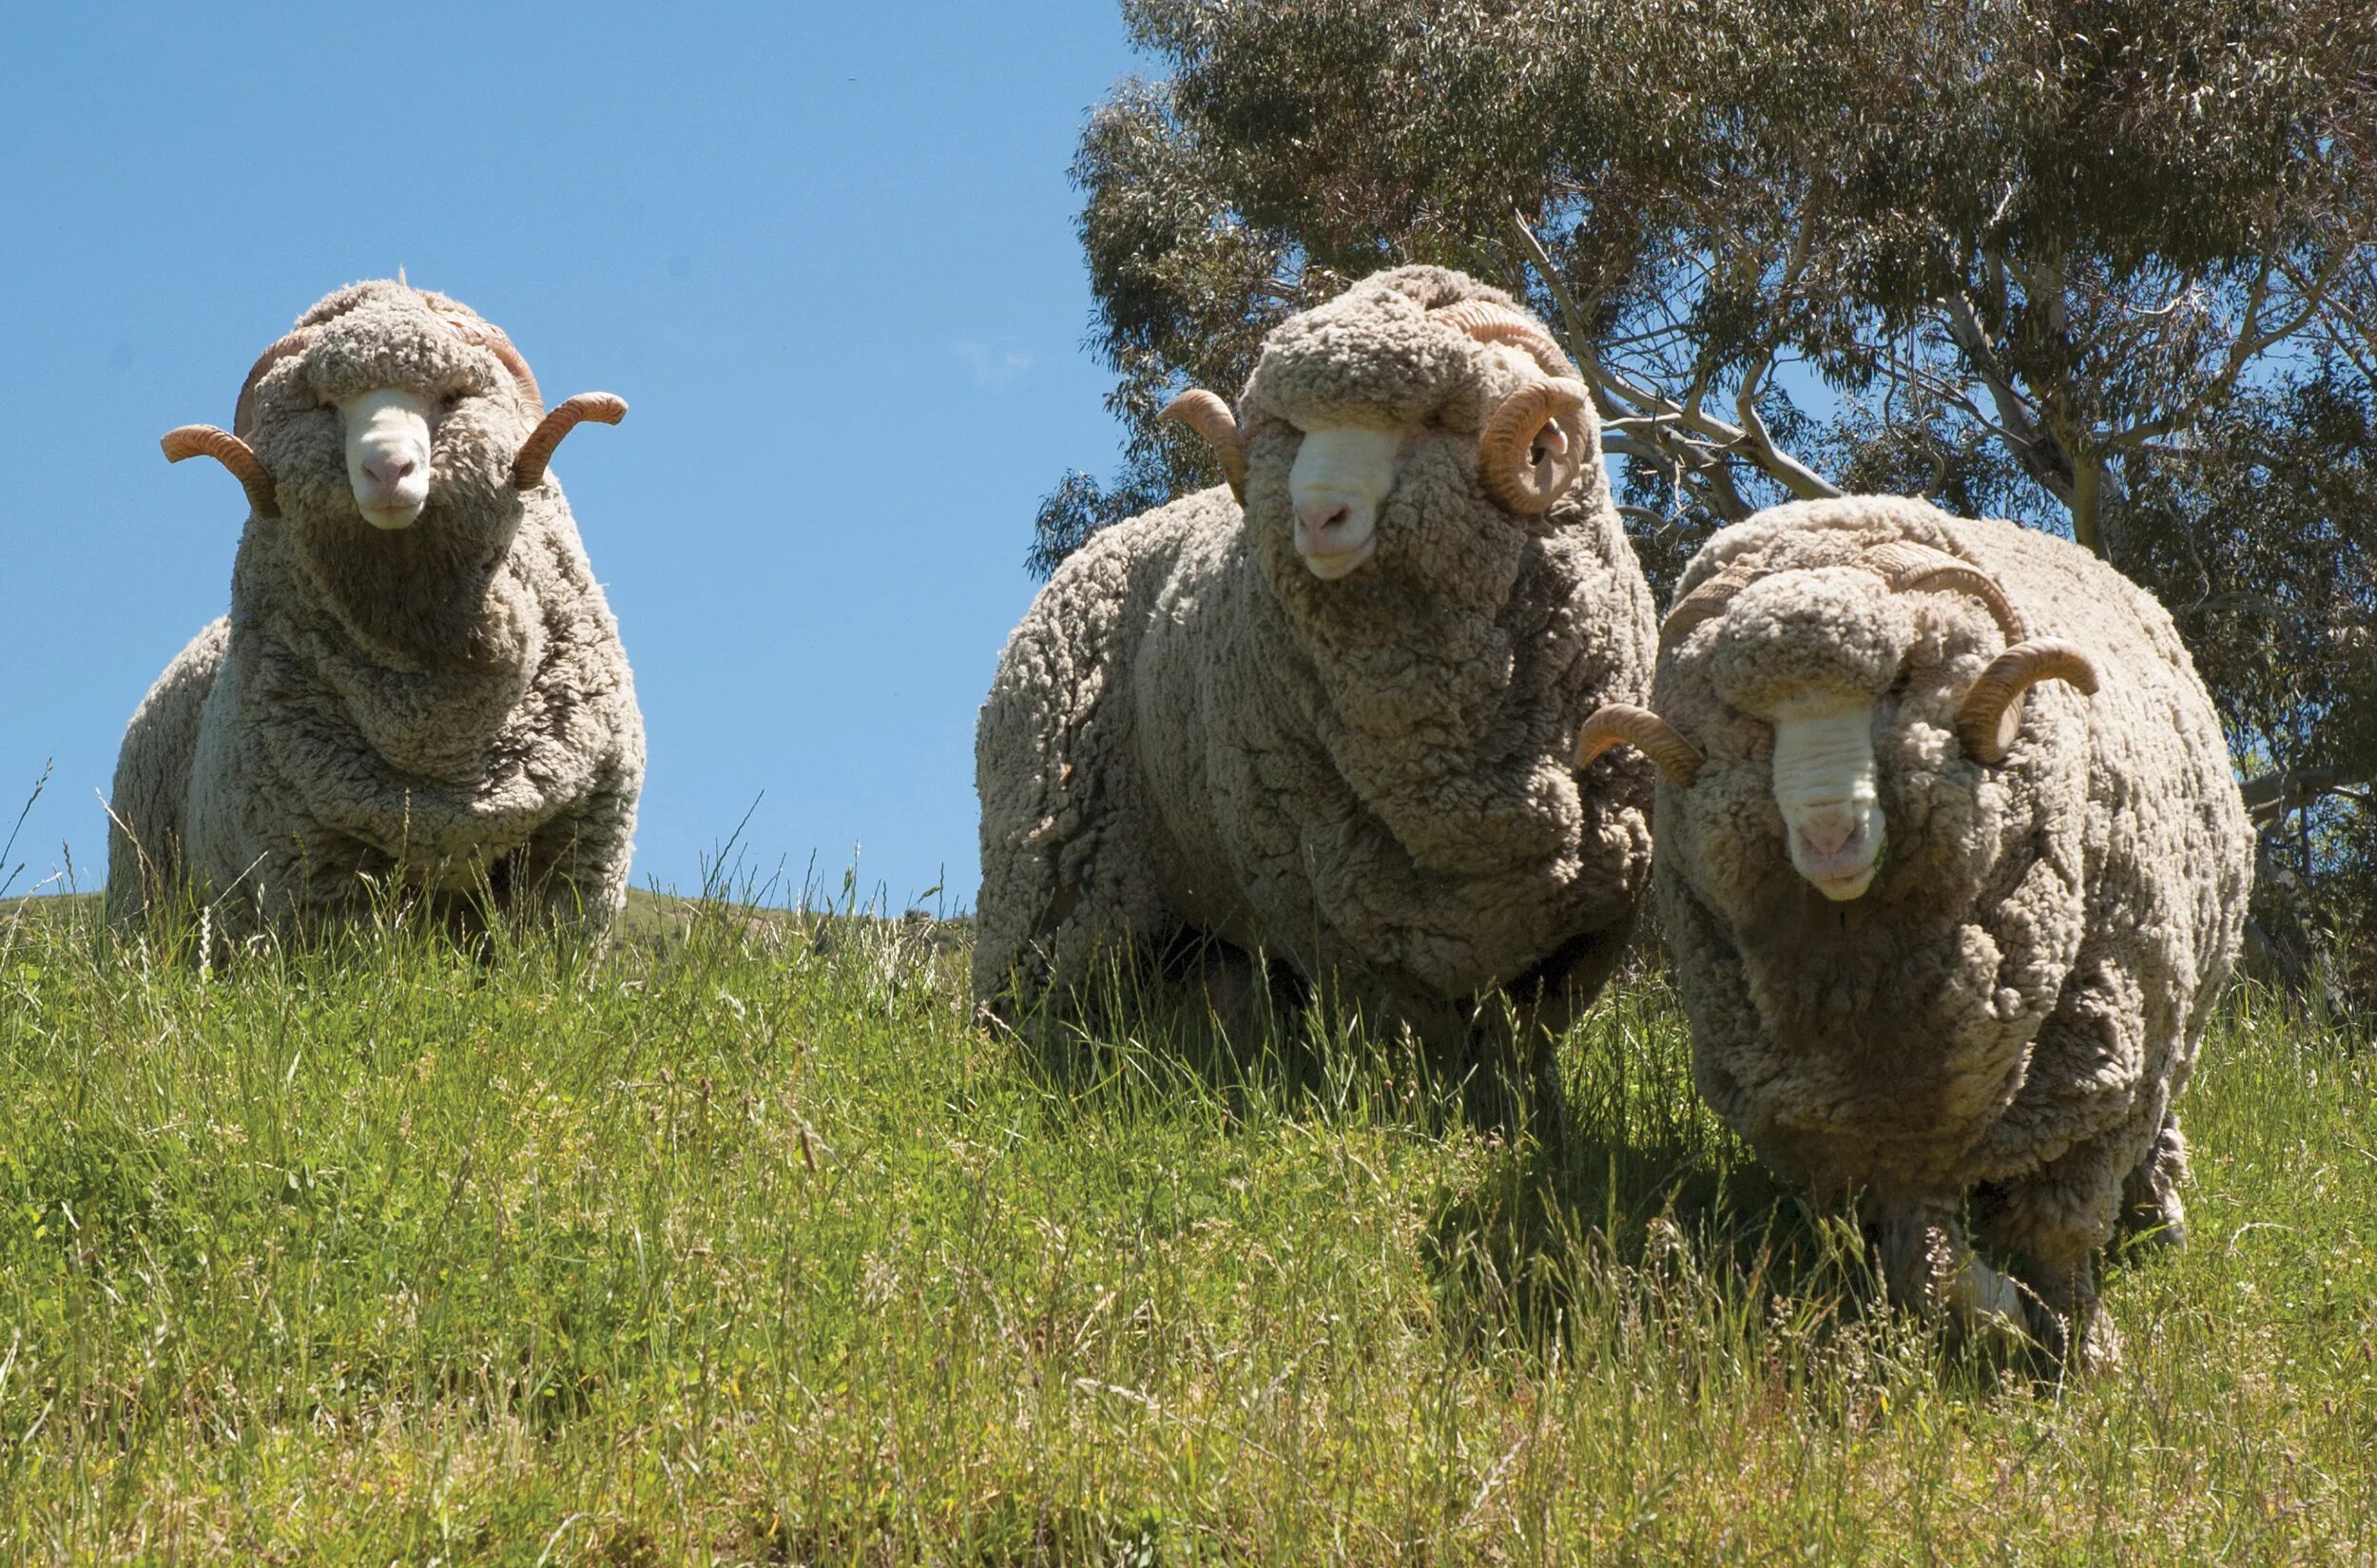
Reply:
x=1826, y=786
x=388, y=455
x=1340, y=477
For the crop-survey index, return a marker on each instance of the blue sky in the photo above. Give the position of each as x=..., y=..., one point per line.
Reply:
x=826, y=254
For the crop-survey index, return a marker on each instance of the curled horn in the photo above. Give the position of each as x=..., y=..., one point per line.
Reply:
x=1707, y=601
x=486, y=334
x=1622, y=724
x=1210, y=418
x=1489, y=323
x=1507, y=466
x=1991, y=714
x=528, y=469
x=244, y=413
x=1908, y=567
x=232, y=452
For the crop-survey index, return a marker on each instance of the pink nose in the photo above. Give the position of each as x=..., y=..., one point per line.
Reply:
x=389, y=472
x=1322, y=515
x=1828, y=829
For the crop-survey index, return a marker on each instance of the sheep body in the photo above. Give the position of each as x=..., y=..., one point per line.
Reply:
x=1367, y=778
x=2000, y=1024
x=446, y=702
x=150, y=801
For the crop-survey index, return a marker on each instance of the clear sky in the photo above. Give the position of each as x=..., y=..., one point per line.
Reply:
x=825, y=252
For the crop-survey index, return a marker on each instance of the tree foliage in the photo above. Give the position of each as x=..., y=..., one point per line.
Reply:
x=2105, y=266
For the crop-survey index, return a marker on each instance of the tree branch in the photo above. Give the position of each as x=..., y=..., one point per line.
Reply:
x=2276, y=795
x=1759, y=447
x=2040, y=455
x=1798, y=477
x=2250, y=342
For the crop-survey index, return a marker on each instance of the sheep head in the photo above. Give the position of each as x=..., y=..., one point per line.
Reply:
x=384, y=396
x=1364, y=383
x=1829, y=657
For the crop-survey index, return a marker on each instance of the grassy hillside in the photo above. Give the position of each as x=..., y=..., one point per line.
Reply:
x=744, y=1245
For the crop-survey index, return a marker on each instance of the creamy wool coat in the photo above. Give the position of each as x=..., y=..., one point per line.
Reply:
x=444, y=703
x=1367, y=778
x=2003, y=1018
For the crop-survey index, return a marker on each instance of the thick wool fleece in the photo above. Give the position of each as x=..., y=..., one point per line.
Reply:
x=2006, y=1014
x=443, y=703
x=1369, y=778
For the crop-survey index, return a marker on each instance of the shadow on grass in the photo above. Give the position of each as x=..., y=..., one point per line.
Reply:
x=1200, y=1023
x=1193, y=1024
x=1639, y=1206
x=1613, y=1196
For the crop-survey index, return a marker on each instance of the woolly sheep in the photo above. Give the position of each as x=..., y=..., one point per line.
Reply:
x=1335, y=727
x=419, y=677
x=1952, y=866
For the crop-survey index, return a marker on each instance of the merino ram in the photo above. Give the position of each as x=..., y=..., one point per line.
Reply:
x=1335, y=727
x=420, y=679
x=1952, y=866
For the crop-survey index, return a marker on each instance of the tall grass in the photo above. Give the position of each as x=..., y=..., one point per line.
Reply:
x=745, y=1244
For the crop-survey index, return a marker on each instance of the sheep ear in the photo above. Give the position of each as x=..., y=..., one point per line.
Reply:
x=232, y=452
x=528, y=469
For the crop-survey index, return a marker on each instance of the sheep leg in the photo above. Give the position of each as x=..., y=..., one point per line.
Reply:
x=1509, y=1071
x=1929, y=1269
x=572, y=876
x=2053, y=1222
x=2152, y=1214
x=1230, y=991
x=2067, y=1290
x=1557, y=992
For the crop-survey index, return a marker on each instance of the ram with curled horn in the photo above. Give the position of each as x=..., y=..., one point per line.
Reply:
x=387, y=429
x=1952, y=866
x=1531, y=444
x=1319, y=727
x=427, y=687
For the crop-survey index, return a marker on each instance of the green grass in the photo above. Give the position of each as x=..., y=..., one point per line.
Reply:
x=727, y=1249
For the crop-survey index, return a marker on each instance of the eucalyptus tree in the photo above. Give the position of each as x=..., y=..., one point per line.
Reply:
x=2107, y=266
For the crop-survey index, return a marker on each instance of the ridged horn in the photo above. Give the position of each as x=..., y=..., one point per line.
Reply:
x=1991, y=714
x=1705, y=602
x=1489, y=323
x=1506, y=466
x=232, y=452
x=1908, y=567
x=244, y=413
x=528, y=469
x=1623, y=723
x=487, y=334
x=1210, y=418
